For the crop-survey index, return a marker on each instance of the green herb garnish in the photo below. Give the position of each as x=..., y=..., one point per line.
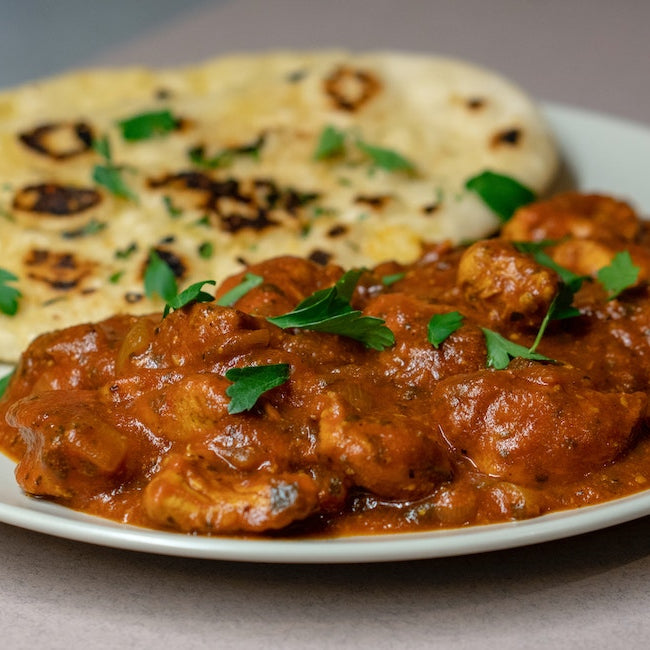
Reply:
x=225, y=157
x=159, y=278
x=109, y=175
x=619, y=275
x=203, y=221
x=442, y=326
x=392, y=278
x=502, y=194
x=251, y=382
x=222, y=159
x=173, y=211
x=206, y=250
x=193, y=293
x=9, y=296
x=4, y=382
x=91, y=228
x=329, y=310
x=111, y=178
x=103, y=147
x=114, y=278
x=125, y=253
x=331, y=143
x=386, y=159
x=249, y=281
x=147, y=125
x=500, y=351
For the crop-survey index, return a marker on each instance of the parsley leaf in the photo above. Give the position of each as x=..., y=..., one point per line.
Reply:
x=330, y=144
x=193, y=293
x=9, y=296
x=103, y=147
x=147, y=125
x=173, y=211
x=222, y=159
x=502, y=194
x=91, y=228
x=386, y=159
x=392, y=278
x=250, y=281
x=619, y=275
x=159, y=278
x=443, y=325
x=125, y=253
x=4, y=382
x=251, y=382
x=206, y=250
x=225, y=157
x=500, y=351
x=110, y=175
x=329, y=310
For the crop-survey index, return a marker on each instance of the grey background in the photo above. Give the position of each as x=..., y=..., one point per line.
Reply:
x=591, y=591
x=589, y=53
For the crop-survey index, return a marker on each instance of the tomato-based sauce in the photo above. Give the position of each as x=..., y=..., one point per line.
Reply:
x=132, y=418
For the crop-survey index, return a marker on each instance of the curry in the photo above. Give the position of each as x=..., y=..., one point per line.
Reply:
x=533, y=400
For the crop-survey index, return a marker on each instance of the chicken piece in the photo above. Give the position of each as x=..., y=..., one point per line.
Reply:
x=190, y=496
x=387, y=453
x=176, y=407
x=584, y=216
x=413, y=361
x=532, y=424
x=588, y=256
x=506, y=285
x=201, y=334
x=287, y=281
x=69, y=439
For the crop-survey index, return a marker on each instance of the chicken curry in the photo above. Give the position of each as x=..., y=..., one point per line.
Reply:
x=483, y=383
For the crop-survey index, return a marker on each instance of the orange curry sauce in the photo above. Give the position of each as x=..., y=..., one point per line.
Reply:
x=128, y=418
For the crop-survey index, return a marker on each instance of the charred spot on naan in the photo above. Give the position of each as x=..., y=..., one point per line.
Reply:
x=233, y=204
x=376, y=202
x=339, y=230
x=54, y=200
x=475, y=103
x=510, y=137
x=350, y=88
x=61, y=271
x=59, y=140
x=174, y=261
x=187, y=190
x=320, y=257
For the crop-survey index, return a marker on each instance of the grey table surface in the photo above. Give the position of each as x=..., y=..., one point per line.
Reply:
x=591, y=591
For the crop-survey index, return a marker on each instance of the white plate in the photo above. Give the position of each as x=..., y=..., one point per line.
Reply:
x=602, y=154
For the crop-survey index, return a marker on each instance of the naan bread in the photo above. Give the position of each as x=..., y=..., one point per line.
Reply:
x=252, y=187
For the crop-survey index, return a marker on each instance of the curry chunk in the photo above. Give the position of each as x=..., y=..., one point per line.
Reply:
x=72, y=446
x=506, y=285
x=581, y=216
x=190, y=496
x=413, y=361
x=286, y=281
x=138, y=418
x=387, y=453
x=535, y=424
